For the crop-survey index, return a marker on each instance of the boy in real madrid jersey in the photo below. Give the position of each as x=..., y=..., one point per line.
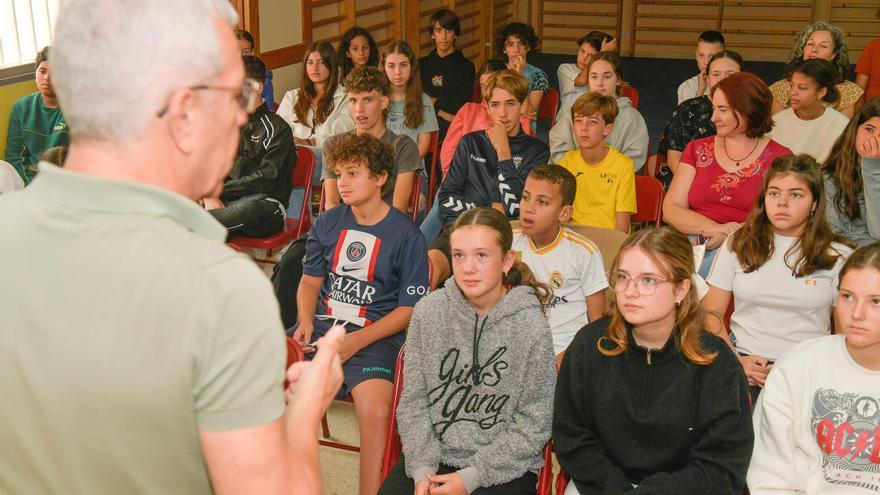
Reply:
x=569, y=262
x=365, y=267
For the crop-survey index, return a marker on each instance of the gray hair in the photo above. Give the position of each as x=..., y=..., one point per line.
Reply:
x=115, y=63
x=841, y=57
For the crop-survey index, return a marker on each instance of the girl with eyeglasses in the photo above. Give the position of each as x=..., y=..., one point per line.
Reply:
x=647, y=397
x=779, y=268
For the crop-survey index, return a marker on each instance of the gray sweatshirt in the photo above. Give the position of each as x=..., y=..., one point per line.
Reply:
x=478, y=391
x=865, y=229
x=629, y=135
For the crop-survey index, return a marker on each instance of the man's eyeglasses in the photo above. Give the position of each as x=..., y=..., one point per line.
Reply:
x=247, y=96
x=645, y=284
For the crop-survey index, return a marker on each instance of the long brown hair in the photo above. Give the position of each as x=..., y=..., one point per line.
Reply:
x=308, y=93
x=671, y=249
x=843, y=165
x=753, y=243
x=413, y=113
x=519, y=273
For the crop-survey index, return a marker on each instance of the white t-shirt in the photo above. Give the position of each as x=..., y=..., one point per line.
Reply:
x=773, y=310
x=688, y=89
x=814, y=137
x=573, y=266
x=817, y=424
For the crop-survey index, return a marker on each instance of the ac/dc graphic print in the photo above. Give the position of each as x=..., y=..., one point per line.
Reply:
x=847, y=429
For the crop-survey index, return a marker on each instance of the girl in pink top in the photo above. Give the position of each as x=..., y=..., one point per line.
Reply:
x=720, y=176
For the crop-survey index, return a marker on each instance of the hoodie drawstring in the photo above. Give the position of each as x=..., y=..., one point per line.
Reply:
x=475, y=355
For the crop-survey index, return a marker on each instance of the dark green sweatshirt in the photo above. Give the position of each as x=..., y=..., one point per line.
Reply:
x=651, y=418
x=33, y=128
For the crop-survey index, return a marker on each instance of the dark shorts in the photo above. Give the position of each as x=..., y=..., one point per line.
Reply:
x=377, y=360
x=441, y=243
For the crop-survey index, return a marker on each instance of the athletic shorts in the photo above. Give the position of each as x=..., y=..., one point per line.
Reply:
x=376, y=360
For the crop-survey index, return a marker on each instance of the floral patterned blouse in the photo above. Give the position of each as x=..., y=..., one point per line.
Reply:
x=723, y=196
x=691, y=120
x=849, y=93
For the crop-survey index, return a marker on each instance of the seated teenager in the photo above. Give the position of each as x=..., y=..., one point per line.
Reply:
x=823, y=41
x=693, y=118
x=816, y=422
x=574, y=78
x=477, y=399
x=606, y=182
x=719, y=177
x=308, y=107
x=411, y=112
x=647, y=400
x=35, y=123
x=489, y=167
x=852, y=178
x=779, y=268
x=807, y=126
x=470, y=118
x=515, y=42
x=256, y=192
x=568, y=262
x=708, y=44
x=365, y=267
x=630, y=133
x=447, y=75
x=368, y=102
x=246, y=46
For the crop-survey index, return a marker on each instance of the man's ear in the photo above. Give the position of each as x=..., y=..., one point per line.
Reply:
x=385, y=102
x=180, y=118
x=381, y=179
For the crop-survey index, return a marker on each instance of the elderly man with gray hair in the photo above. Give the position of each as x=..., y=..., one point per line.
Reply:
x=138, y=353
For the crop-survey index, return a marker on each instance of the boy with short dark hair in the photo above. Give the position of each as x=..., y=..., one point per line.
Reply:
x=569, y=262
x=447, y=75
x=709, y=43
x=489, y=167
x=607, y=190
x=365, y=266
x=247, y=47
x=368, y=102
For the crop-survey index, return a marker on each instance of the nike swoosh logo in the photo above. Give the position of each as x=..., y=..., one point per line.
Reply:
x=347, y=269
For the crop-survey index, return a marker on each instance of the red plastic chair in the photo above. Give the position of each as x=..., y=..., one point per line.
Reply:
x=632, y=93
x=649, y=200
x=477, y=91
x=549, y=106
x=562, y=480
x=294, y=355
x=300, y=177
x=393, y=447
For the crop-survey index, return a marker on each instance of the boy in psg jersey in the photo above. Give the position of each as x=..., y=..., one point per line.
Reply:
x=489, y=167
x=365, y=267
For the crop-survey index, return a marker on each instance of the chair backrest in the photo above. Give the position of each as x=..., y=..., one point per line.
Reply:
x=433, y=169
x=294, y=355
x=632, y=93
x=477, y=91
x=414, y=196
x=301, y=180
x=392, y=438
x=549, y=106
x=607, y=240
x=649, y=200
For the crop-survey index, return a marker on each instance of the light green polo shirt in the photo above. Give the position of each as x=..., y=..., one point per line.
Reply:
x=126, y=326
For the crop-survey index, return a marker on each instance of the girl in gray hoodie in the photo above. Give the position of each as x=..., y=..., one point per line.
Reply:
x=479, y=375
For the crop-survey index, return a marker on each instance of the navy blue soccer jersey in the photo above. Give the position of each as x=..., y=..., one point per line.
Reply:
x=368, y=270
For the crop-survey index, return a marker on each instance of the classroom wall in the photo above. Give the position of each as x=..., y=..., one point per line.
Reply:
x=9, y=94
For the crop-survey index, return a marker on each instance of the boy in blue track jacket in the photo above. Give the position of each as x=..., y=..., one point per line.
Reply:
x=489, y=167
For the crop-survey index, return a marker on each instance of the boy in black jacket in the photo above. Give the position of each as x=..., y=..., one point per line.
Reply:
x=447, y=75
x=257, y=190
x=489, y=167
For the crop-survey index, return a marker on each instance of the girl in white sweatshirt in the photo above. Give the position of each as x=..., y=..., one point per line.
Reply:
x=817, y=422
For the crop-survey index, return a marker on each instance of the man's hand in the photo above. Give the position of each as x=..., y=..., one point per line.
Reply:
x=212, y=203
x=498, y=137
x=756, y=368
x=350, y=346
x=314, y=384
x=422, y=487
x=870, y=148
x=702, y=83
x=446, y=484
